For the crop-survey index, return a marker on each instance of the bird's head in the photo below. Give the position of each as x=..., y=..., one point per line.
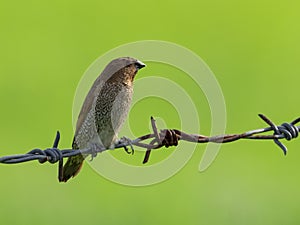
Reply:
x=123, y=69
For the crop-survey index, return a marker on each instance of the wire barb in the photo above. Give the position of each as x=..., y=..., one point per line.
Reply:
x=163, y=138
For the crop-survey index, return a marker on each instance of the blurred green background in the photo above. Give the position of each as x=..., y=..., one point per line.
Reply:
x=251, y=46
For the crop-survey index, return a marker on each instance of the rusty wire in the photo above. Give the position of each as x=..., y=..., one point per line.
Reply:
x=158, y=139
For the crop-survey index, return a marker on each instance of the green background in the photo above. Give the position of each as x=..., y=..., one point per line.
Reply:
x=251, y=46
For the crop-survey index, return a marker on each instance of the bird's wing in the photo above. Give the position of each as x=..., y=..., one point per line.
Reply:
x=89, y=102
x=90, y=99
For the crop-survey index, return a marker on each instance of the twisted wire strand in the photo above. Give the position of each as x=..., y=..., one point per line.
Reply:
x=164, y=138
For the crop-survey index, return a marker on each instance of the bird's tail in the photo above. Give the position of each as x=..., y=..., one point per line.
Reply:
x=72, y=167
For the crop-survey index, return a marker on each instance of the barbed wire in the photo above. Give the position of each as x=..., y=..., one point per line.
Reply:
x=164, y=138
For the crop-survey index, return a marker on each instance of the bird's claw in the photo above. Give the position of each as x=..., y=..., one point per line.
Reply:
x=95, y=148
x=127, y=142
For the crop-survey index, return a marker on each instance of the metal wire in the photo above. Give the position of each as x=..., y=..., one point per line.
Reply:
x=164, y=138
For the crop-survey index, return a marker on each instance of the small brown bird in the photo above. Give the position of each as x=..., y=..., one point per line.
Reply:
x=104, y=111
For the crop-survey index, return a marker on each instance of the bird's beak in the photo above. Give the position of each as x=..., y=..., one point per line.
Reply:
x=139, y=65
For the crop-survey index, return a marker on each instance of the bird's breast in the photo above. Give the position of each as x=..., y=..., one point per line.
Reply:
x=111, y=110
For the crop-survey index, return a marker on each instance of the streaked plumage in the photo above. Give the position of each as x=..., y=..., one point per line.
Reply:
x=104, y=110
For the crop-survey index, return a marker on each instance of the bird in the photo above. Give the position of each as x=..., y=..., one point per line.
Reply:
x=104, y=111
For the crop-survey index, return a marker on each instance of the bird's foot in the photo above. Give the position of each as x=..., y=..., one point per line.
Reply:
x=95, y=149
x=125, y=141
